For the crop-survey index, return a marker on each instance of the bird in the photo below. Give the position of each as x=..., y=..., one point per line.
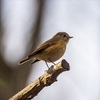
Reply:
x=50, y=51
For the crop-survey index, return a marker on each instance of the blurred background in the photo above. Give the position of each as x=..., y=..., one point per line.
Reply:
x=25, y=24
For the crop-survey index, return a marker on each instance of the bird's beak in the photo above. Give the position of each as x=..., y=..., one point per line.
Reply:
x=70, y=37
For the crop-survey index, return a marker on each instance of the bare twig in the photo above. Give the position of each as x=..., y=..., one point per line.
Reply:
x=49, y=77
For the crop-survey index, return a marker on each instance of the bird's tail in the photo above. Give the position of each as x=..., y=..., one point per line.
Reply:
x=35, y=60
x=24, y=61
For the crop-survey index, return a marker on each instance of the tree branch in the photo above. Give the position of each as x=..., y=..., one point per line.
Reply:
x=49, y=77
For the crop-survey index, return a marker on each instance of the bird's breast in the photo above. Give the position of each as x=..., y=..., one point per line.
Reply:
x=53, y=53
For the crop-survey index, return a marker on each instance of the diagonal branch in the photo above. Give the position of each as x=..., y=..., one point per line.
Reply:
x=49, y=77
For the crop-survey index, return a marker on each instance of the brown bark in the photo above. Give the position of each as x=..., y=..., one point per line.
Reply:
x=49, y=77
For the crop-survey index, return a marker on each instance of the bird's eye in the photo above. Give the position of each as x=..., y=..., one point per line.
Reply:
x=64, y=35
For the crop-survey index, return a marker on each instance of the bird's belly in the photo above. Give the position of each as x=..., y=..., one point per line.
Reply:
x=55, y=55
x=52, y=55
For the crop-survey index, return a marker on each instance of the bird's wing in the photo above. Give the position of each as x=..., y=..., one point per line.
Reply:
x=43, y=47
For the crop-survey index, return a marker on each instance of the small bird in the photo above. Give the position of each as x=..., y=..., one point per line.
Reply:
x=51, y=50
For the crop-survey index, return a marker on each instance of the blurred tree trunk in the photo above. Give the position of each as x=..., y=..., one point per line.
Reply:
x=10, y=76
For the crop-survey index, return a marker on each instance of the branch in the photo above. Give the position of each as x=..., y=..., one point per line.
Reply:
x=49, y=77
